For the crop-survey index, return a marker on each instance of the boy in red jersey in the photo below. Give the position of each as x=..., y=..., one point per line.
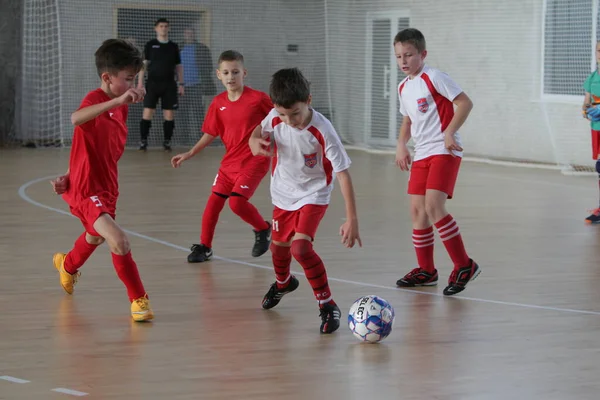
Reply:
x=427, y=98
x=232, y=115
x=308, y=156
x=90, y=186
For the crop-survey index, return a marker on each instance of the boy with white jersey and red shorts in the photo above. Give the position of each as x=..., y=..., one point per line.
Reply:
x=307, y=156
x=427, y=98
x=232, y=116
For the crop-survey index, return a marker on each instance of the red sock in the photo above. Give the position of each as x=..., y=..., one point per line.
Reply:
x=423, y=240
x=450, y=235
x=127, y=271
x=282, y=258
x=246, y=211
x=82, y=250
x=210, y=217
x=303, y=252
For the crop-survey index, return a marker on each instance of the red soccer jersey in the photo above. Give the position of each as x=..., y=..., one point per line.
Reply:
x=234, y=122
x=97, y=147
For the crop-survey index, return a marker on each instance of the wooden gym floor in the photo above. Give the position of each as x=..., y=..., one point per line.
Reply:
x=527, y=328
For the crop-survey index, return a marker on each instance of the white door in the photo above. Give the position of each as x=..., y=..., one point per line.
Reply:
x=382, y=119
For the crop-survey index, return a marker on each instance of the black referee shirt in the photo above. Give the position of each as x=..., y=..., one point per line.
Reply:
x=163, y=58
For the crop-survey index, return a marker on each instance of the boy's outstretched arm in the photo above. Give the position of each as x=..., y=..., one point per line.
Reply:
x=204, y=141
x=587, y=103
x=349, y=230
x=257, y=143
x=88, y=113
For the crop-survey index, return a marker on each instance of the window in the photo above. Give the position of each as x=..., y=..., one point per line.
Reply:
x=568, y=46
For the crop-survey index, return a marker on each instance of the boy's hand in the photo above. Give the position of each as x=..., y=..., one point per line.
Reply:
x=180, y=158
x=349, y=233
x=260, y=147
x=451, y=145
x=60, y=184
x=132, y=96
x=403, y=157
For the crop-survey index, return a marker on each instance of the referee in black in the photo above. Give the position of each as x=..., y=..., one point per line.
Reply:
x=162, y=62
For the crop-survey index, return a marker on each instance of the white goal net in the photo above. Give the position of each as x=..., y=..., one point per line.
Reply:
x=522, y=62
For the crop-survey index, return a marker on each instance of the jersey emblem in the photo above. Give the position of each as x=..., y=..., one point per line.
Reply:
x=222, y=108
x=310, y=160
x=422, y=104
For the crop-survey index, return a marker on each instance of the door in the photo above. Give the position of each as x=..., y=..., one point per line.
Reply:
x=382, y=116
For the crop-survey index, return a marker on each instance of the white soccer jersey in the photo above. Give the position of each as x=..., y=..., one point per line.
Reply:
x=427, y=101
x=304, y=161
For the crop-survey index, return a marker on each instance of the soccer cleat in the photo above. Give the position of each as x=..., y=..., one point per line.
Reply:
x=262, y=241
x=167, y=145
x=274, y=295
x=330, y=317
x=200, y=253
x=594, y=218
x=140, y=310
x=458, y=279
x=67, y=281
x=418, y=277
x=143, y=145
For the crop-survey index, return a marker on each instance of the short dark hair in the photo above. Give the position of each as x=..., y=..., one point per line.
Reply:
x=231, y=55
x=161, y=20
x=412, y=36
x=115, y=55
x=289, y=86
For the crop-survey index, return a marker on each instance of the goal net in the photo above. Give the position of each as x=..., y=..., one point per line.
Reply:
x=522, y=62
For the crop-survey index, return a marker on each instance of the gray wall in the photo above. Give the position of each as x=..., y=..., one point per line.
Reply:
x=10, y=40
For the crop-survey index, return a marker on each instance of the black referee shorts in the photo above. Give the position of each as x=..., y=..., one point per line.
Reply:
x=166, y=91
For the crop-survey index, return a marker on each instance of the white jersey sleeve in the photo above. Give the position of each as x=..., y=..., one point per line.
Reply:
x=400, y=102
x=445, y=85
x=267, y=124
x=334, y=150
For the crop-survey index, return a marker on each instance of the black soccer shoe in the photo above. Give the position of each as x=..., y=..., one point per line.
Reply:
x=274, y=295
x=594, y=218
x=262, y=241
x=458, y=279
x=167, y=145
x=330, y=317
x=200, y=253
x=143, y=145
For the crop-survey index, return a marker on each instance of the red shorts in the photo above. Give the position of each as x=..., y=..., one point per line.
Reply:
x=89, y=210
x=304, y=220
x=595, y=144
x=244, y=183
x=437, y=172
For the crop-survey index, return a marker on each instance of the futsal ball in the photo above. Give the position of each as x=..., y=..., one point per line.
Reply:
x=371, y=318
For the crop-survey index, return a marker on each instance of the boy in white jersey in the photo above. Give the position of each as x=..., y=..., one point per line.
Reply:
x=307, y=153
x=427, y=99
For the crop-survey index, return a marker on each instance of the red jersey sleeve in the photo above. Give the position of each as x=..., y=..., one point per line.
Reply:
x=212, y=124
x=87, y=101
x=266, y=104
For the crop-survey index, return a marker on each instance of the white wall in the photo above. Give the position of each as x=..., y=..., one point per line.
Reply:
x=493, y=50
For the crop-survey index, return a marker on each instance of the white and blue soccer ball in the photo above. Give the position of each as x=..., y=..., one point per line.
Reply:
x=371, y=318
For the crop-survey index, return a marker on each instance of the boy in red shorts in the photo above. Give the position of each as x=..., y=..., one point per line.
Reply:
x=427, y=98
x=232, y=115
x=90, y=186
x=307, y=154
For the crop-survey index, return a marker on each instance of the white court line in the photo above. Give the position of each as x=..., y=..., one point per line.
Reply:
x=24, y=196
x=13, y=379
x=71, y=392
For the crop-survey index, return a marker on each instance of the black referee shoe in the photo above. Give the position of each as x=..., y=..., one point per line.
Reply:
x=167, y=145
x=143, y=145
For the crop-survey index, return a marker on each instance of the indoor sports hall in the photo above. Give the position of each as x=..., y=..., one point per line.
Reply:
x=527, y=328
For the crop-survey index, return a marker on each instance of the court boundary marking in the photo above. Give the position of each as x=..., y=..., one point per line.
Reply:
x=23, y=194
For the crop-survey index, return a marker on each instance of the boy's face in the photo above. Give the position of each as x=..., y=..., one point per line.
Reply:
x=409, y=60
x=162, y=29
x=297, y=116
x=118, y=84
x=231, y=74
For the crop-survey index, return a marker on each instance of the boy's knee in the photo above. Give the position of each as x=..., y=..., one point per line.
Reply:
x=300, y=248
x=94, y=240
x=120, y=245
x=237, y=203
x=417, y=211
x=434, y=210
